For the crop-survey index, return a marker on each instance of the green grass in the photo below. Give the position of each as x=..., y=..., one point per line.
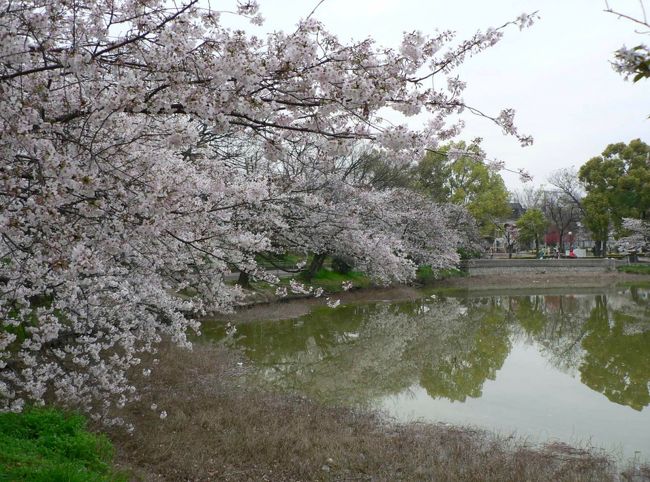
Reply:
x=49, y=445
x=635, y=268
x=332, y=282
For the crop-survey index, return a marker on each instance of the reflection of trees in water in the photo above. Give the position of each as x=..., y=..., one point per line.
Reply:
x=555, y=324
x=357, y=353
x=452, y=346
x=616, y=363
x=470, y=359
x=605, y=337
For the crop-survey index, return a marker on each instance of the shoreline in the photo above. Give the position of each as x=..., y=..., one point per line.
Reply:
x=272, y=307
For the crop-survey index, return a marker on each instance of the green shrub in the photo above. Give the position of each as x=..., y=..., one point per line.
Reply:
x=469, y=253
x=49, y=445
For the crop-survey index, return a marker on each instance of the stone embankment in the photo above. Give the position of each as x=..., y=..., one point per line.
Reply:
x=497, y=267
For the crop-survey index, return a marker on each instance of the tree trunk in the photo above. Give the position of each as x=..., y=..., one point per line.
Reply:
x=598, y=247
x=536, y=247
x=316, y=264
x=244, y=280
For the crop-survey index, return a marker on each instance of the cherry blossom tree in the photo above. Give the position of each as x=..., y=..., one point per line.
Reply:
x=638, y=235
x=147, y=149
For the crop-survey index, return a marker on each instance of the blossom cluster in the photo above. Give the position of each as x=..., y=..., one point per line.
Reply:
x=638, y=235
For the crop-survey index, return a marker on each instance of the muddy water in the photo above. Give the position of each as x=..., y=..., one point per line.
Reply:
x=561, y=366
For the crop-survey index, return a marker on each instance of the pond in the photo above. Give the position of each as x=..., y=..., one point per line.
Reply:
x=564, y=367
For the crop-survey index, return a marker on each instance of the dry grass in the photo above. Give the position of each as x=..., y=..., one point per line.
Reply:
x=220, y=429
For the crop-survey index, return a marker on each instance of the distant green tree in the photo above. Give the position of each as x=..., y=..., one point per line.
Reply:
x=373, y=168
x=466, y=181
x=597, y=219
x=532, y=226
x=618, y=185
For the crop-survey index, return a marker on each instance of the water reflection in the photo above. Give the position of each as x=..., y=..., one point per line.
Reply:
x=617, y=353
x=449, y=349
x=451, y=346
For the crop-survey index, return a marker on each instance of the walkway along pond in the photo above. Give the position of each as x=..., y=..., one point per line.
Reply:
x=499, y=266
x=564, y=367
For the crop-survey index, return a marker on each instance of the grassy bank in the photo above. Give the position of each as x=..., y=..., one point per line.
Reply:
x=635, y=268
x=332, y=283
x=49, y=445
x=425, y=275
x=219, y=428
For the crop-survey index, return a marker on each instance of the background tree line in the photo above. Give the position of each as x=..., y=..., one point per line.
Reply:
x=600, y=196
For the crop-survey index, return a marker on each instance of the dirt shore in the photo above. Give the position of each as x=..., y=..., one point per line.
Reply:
x=221, y=428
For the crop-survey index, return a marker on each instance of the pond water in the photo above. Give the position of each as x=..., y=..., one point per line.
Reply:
x=547, y=367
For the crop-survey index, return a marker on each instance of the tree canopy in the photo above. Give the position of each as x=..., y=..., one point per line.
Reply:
x=454, y=173
x=618, y=185
x=622, y=174
x=532, y=226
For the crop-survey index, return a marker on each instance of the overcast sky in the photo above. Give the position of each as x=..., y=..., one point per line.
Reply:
x=556, y=74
